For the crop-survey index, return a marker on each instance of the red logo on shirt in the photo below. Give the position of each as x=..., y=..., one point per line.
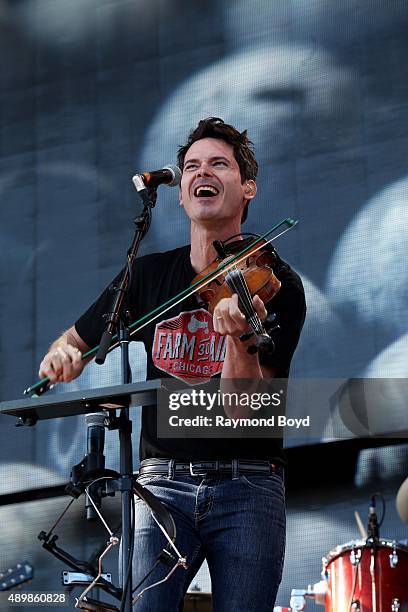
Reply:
x=188, y=348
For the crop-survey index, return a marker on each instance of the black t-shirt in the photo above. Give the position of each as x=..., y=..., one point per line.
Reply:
x=183, y=344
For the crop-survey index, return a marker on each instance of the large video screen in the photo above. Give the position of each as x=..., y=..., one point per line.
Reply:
x=93, y=92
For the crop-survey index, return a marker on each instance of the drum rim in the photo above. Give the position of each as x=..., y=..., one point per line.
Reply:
x=358, y=544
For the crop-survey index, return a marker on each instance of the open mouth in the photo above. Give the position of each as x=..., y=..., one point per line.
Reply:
x=205, y=191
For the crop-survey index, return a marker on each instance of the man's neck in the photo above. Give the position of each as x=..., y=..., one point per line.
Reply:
x=202, y=238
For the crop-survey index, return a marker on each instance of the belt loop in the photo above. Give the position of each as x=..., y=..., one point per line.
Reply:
x=235, y=469
x=171, y=468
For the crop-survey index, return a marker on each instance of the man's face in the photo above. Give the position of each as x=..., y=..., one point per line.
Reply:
x=211, y=187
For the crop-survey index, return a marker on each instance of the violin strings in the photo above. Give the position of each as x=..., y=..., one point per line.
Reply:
x=233, y=282
x=237, y=283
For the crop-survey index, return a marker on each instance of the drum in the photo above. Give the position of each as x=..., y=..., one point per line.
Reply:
x=367, y=578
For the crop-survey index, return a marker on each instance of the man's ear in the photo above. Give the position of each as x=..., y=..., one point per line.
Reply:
x=250, y=189
x=180, y=201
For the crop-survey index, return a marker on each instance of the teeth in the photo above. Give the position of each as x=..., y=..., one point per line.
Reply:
x=209, y=188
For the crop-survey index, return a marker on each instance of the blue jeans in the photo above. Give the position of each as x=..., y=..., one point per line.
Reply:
x=237, y=524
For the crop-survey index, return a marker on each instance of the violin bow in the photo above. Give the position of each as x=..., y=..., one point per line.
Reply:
x=43, y=385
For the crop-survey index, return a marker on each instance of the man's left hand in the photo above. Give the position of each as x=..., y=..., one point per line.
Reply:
x=228, y=319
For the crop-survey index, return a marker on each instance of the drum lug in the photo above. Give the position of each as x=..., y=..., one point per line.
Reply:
x=355, y=557
x=325, y=574
x=395, y=605
x=355, y=606
x=393, y=557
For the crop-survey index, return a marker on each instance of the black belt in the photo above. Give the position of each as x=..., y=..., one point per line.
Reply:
x=202, y=468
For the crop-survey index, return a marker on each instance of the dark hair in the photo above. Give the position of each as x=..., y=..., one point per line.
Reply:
x=213, y=127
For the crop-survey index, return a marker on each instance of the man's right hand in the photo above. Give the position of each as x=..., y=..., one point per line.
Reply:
x=64, y=362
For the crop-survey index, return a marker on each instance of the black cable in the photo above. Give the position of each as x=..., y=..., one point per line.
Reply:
x=129, y=267
x=130, y=558
x=129, y=263
x=383, y=504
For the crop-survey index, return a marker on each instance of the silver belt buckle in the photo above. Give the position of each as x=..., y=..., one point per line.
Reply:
x=192, y=473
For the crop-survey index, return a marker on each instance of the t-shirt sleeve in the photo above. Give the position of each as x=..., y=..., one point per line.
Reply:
x=289, y=305
x=91, y=324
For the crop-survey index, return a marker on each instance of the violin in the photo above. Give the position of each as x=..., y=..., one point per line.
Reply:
x=230, y=263
x=250, y=275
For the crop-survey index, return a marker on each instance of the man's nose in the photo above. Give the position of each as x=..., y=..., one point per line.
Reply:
x=203, y=169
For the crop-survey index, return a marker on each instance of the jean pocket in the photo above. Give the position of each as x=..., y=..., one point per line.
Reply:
x=269, y=485
x=146, y=479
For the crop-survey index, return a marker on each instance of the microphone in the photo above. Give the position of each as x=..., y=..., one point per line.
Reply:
x=95, y=459
x=373, y=527
x=169, y=175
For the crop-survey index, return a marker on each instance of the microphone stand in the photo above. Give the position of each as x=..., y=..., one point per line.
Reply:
x=118, y=320
x=373, y=533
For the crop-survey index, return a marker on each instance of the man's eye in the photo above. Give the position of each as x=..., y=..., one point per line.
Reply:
x=220, y=163
x=190, y=166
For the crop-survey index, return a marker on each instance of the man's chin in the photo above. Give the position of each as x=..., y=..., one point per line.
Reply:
x=209, y=217
x=205, y=212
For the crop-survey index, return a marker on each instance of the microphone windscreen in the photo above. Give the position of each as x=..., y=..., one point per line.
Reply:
x=95, y=418
x=176, y=175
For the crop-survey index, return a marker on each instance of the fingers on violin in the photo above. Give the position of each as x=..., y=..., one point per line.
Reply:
x=235, y=313
x=228, y=319
x=220, y=316
x=259, y=307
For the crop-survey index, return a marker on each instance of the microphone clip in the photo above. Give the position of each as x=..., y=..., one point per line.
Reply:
x=82, y=476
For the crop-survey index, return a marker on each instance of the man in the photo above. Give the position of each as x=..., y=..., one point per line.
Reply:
x=226, y=496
